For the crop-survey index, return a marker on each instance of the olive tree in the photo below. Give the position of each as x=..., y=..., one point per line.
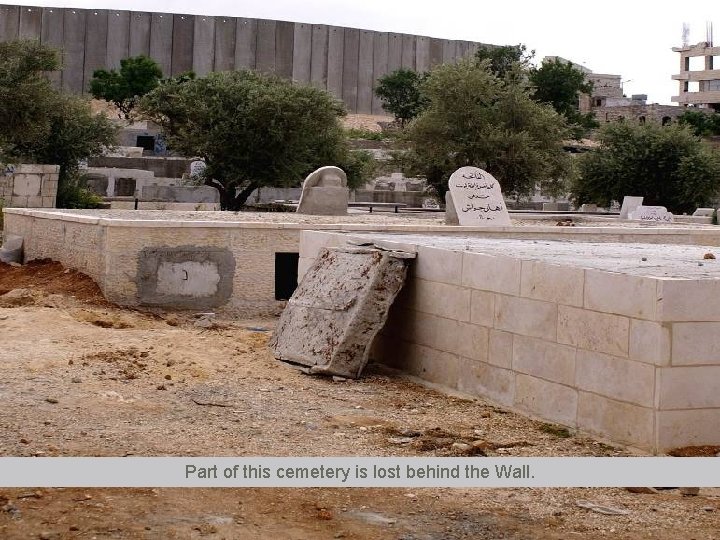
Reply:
x=252, y=130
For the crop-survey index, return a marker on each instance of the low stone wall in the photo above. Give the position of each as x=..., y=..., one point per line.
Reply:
x=29, y=186
x=588, y=336
x=106, y=244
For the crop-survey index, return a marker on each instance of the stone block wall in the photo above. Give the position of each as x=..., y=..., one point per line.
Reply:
x=634, y=359
x=29, y=186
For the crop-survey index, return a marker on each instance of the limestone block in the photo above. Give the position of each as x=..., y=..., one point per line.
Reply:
x=649, y=342
x=552, y=401
x=491, y=273
x=689, y=300
x=622, y=294
x=704, y=212
x=622, y=422
x=687, y=428
x=543, y=359
x=552, y=283
x=482, y=308
x=695, y=343
x=616, y=378
x=441, y=265
x=593, y=331
x=26, y=185
x=500, y=348
x=338, y=309
x=35, y=202
x=526, y=317
x=438, y=299
x=689, y=387
x=481, y=379
x=311, y=242
x=48, y=202
x=471, y=341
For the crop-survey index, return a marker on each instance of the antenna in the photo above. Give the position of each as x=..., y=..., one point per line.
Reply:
x=709, y=33
x=685, y=34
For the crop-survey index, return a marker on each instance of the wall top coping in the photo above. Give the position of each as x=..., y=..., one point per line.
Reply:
x=186, y=219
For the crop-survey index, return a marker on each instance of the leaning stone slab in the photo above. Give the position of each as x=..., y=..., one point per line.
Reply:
x=11, y=251
x=339, y=307
x=655, y=214
x=475, y=198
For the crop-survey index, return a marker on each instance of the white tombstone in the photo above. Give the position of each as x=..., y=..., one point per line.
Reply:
x=324, y=193
x=475, y=198
x=589, y=208
x=655, y=214
x=629, y=205
x=704, y=212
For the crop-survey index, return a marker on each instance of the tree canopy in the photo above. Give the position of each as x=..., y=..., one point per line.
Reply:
x=703, y=124
x=560, y=84
x=475, y=118
x=252, y=130
x=40, y=123
x=667, y=165
x=505, y=59
x=401, y=94
x=137, y=76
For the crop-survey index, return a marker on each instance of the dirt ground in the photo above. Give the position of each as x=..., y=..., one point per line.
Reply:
x=81, y=377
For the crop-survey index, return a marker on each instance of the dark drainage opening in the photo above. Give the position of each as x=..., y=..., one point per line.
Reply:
x=286, y=274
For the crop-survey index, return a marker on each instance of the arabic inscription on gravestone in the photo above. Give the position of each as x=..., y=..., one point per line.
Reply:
x=477, y=198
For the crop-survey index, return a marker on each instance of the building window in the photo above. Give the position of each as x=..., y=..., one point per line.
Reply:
x=641, y=120
x=666, y=121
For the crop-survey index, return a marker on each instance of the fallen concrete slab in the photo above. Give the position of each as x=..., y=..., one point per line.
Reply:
x=338, y=308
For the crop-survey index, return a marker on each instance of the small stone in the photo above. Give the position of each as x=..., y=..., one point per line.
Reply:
x=400, y=440
x=338, y=379
x=462, y=447
x=74, y=528
x=161, y=387
x=645, y=490
x=708, y=508
x=144, y=354
x=51, y=400
x=168, y=377
x=3, y=317
x=701, y=264
x=708, y=256
x=644, y=259
x=76, y=380
x=24, y=441
x=44, y=536
x=70, y=362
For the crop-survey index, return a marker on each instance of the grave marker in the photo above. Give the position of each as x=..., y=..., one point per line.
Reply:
x=657, y=214
x=475, y=198
x=629, y=205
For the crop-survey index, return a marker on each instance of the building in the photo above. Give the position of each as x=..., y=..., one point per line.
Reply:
x=699, y=83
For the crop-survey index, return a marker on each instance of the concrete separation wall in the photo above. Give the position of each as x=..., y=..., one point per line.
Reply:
x=344, y=61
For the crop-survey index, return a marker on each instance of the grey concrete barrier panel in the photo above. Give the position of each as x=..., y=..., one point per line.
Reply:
x=422, y=54
x=436, y=52
x=302, y=53
x=245, y=43
x=365, y=73
x=204, y=45
x=74, y=50
x=51, y=35
x=225, y=29
x=449, y=51
x=408, y=52
x=351, y=58
x=284, y=40
x=319, y=56
x=139, y=33
x=265, y=57
x=9, y=23
x=336, y=53
x=161, y=37
x=394, y=52
x=380, y=67
x=30, y=23
x=183, y=41
x=118, y=38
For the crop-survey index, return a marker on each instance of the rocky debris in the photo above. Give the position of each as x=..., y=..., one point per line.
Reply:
x=17, y=298
x=568, y=222
x=643, y=490
x=602, y=509
x=708, y=256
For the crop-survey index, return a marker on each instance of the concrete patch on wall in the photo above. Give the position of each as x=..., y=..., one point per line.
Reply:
x=185, y=277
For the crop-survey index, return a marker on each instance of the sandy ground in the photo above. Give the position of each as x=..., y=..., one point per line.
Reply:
x=83, y=378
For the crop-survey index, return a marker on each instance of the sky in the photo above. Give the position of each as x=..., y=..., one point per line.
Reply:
x=628, y=38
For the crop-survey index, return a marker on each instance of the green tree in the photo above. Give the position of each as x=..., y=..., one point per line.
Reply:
x=703, y=124
x=505, y=59
x=42, y=124
x=401, y=94
x=137, y=76
x=252, y=130
x=560, y=84
x=667, y=165
x=475, y=118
